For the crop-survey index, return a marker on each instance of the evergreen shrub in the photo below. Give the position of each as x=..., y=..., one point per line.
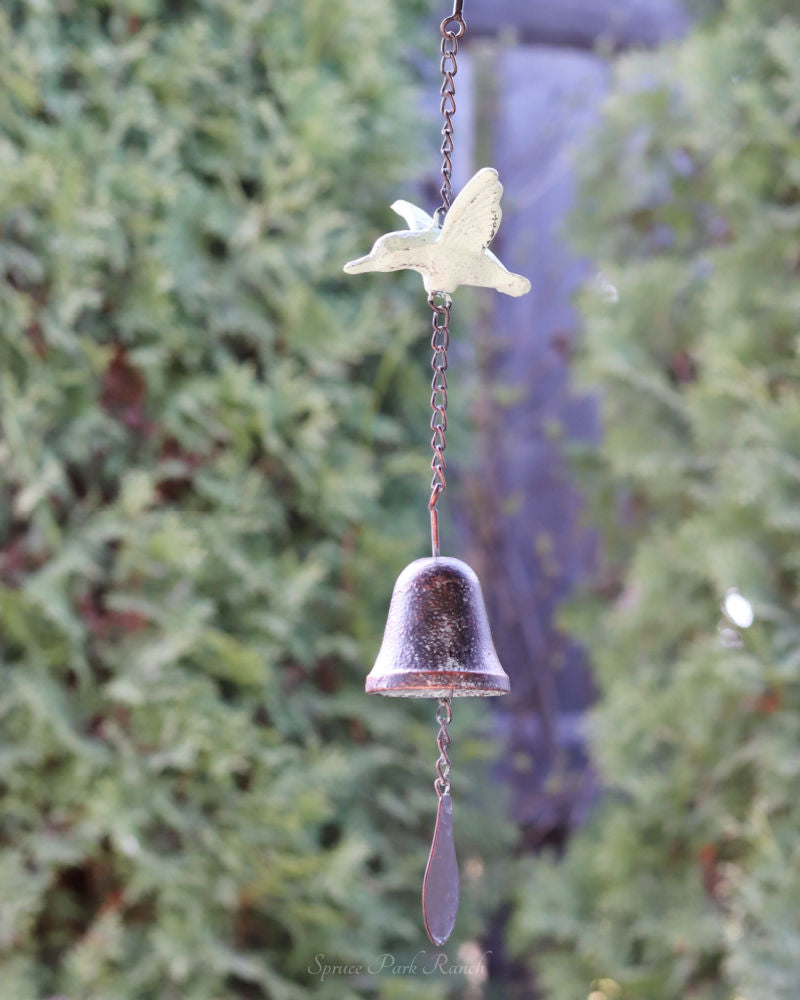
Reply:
x=686, y=882
x=207, y=489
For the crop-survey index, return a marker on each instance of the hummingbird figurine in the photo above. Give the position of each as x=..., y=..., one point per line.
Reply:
x=455, y=253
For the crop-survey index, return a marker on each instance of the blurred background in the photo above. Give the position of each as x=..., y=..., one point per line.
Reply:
x=214, y=463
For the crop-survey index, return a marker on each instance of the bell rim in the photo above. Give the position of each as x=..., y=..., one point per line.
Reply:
x=439, y=684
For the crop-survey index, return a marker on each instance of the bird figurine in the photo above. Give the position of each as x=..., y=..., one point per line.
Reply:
x=454, y=253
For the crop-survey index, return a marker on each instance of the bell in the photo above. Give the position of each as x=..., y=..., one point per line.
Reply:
x=437, y=642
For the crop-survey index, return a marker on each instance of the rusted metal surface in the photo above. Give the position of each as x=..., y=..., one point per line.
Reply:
x=437, y=642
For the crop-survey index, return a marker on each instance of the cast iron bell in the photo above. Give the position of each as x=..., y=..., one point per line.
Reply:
x=437, y=642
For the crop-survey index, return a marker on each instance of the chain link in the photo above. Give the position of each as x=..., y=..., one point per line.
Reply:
x=440, y=340
x=444, y=716
x=452, y=29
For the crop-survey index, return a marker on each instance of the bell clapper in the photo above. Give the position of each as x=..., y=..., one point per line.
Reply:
x=440, y=886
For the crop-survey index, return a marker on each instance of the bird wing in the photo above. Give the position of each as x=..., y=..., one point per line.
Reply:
x=416, y=219
x=474, y=217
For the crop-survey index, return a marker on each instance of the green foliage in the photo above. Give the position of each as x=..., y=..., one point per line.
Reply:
x=685, y=884
x=206, y=490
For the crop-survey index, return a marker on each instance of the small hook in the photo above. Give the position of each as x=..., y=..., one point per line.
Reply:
x=456, y=17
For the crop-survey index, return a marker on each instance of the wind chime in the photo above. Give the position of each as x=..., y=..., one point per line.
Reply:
x=437, y=642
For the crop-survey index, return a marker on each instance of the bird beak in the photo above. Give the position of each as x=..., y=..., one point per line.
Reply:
x=358, y=266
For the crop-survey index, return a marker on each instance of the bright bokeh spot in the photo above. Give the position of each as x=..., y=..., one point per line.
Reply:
x=738, y=609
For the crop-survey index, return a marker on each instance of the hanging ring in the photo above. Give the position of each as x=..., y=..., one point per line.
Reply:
x=461, y=26
x=456, y=17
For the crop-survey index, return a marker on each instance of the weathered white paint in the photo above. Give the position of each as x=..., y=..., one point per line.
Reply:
x=455, y=254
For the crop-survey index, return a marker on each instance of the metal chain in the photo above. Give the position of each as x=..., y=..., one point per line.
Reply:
x=452, y=29
x=440, y=340
x=444, y=716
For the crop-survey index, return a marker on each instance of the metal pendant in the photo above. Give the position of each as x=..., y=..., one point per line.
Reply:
x=440, y=886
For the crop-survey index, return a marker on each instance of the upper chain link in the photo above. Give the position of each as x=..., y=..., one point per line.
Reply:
x=440, y=340
x=452, y=29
